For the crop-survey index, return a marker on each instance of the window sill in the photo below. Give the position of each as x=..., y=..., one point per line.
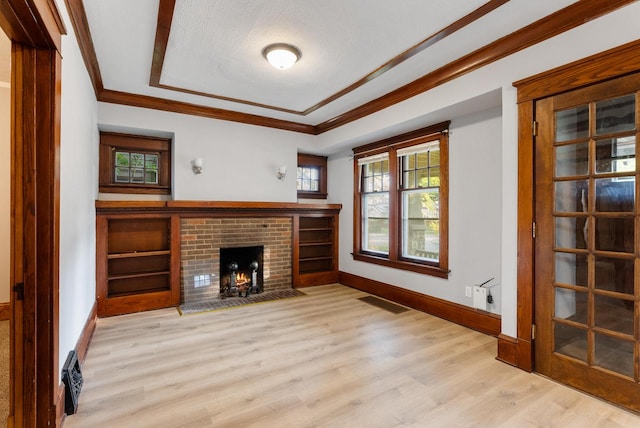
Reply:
x=124, y=188
x=403, y=265
x=311, y=195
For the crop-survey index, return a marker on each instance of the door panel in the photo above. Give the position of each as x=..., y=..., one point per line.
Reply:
x=587, y=255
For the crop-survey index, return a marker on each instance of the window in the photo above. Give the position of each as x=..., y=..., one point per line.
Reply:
x=134, y=164
x=312, y=176
x=401, y=211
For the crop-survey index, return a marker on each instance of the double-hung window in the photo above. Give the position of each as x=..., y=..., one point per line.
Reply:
x=401, y=212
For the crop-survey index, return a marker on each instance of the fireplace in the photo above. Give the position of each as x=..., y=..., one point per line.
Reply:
x=241, y=272
x=203, y=240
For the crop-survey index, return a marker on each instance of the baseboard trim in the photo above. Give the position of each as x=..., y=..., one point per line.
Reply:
x=82, y=346
x=515, y=352
x=59, y=405
x=5, y=311
x=475, y=319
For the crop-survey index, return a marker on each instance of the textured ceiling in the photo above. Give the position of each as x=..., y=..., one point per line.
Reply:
x=215, y=48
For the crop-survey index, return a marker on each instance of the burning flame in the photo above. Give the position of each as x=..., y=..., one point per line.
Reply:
x=242, y=278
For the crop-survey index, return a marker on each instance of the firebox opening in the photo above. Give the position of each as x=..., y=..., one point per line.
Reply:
x=241, y=272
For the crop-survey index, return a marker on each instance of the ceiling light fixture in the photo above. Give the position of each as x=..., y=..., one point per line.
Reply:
x=281, y=55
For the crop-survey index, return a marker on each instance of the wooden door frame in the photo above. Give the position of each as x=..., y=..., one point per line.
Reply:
x=35, y=29
x=611, y=64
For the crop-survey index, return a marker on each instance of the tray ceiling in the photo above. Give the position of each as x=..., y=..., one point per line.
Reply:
x=352, y=51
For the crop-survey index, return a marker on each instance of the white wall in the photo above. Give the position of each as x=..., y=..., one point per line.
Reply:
x=78, y=191
x=240, y=161
x=5, y=191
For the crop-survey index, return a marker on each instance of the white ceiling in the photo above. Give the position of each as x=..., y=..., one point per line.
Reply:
x=215, y=47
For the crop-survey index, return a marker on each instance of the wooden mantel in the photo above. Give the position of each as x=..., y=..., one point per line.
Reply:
x=215, y=207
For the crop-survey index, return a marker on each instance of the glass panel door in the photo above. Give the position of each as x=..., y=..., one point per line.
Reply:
x=587, y=251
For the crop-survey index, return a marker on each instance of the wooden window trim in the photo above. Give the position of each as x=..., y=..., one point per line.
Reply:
x=394, y=258
x=306, y=160
x=110, y=141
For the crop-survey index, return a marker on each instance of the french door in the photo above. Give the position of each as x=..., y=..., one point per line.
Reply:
x=587, y=244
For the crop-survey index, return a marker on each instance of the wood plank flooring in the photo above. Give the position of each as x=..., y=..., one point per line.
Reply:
x=322, y=360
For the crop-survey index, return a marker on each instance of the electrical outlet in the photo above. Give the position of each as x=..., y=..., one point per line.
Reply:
x=467, y=291
x=480, y=298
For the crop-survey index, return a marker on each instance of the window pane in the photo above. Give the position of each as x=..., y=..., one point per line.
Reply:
x=122, y=175
x=315, y=173
x=572, y=159
x=151, y=161
x=616, y=155
x=306, y=185
x=616, y=115
x=571, y=305
x=572, y=196
x=434, y=177
x=410, y=179
x=572, y=123
x=615, y=195
x=571, y=269
x=570, y=341
x=614, y=354
x=375, y=224
x=613, y=274
x=151, y=176
x=422, y=160
x=571, y=232
x=422, y=178
x=137, y=175
x=615, y=234
x=122, y=159
x=434, y=157
x=420, y=225
x=614, y=314
x=299, y=174
x=137, y=160
x=314, y=186
x=368, y=185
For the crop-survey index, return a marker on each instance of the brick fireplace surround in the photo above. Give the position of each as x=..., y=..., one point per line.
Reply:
x=202, y=238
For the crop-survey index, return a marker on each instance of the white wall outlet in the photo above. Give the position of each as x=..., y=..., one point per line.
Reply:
x=480, y=298
x=467, y=291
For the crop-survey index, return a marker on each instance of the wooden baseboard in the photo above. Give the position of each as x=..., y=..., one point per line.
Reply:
x=5, y=311
x=475, y=319
x=87, y=333
x=59, y=405
x=516, y=352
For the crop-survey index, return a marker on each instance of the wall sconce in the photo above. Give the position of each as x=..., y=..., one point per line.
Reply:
x=281, y=173
x=197, y=165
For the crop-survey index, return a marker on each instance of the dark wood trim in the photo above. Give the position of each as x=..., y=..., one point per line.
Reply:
x=204, y=208
x=82, y=345
x=596, y=68
x=60, y=414
x=507, y=350
x=165, y=17
x=163, y=29
x=145, y=101
x=5, y=311
x=404, y=139
x=33, y=23
x=526, y=193
x=78, y=17
x=543, y=29
x=563, y=20
x=484, y=322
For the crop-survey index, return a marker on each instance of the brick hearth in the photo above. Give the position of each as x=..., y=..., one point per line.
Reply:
x=202, y=238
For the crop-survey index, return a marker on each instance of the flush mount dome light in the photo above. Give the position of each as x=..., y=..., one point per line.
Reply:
x=281, y=55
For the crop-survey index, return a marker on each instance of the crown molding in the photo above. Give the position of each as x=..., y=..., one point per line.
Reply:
x=552, y=25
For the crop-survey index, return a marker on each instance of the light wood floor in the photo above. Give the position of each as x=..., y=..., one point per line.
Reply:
x=322, y=360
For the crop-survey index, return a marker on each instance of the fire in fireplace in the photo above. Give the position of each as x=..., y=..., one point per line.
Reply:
x=241, y=271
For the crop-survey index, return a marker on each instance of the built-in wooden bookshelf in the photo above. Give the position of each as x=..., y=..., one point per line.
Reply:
x=137, y=263
x=316, y=249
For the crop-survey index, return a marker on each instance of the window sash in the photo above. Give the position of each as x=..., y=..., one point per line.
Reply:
x=421, y=225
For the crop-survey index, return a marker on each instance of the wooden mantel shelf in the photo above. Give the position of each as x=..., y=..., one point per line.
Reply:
x=213, y=207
